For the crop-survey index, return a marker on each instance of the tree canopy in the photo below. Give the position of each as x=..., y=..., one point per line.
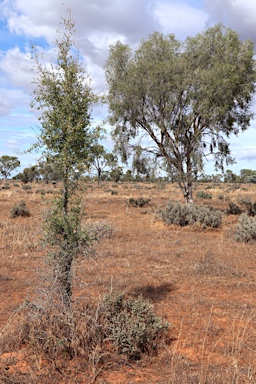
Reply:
x=8, y=164
x=180, y=102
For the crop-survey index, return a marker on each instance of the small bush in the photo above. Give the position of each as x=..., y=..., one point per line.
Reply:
x=125, y=325
x=246, y=228
x=41, y=191
x=100, y=229
x=26, y=187
x=182, y=215
x=233, y=209
x=203, y=195
x=140, y=202
x=132, y=326
x=248, y=204
x=19, y=209
x=6, y=186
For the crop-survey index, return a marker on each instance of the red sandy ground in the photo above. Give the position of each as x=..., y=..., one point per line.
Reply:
x=201, y=281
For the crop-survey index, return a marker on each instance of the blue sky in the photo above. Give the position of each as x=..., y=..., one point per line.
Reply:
x=100, y=23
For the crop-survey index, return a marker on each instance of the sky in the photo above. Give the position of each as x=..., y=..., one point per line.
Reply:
x=100, y=23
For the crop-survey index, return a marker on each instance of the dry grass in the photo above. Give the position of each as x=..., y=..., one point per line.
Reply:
x=200, y=280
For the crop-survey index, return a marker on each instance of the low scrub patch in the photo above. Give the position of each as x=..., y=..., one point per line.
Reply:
x=246, y=228
x=19, y=209
x=185, y=214
x=132, y=326
x=140, y=202
x=203, y=195
x=117, y=324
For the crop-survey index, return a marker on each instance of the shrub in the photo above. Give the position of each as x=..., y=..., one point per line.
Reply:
x=100, y=229
x=246, y=228
x=140, y=202
x=182, y=215
x=26, y=187
x=132, y=326
x=203, y=195
x=248, y=204
x=126, y=325
x=19, y=209
x=233, y=209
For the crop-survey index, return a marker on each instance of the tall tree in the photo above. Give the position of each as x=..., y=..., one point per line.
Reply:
x=181, y=102
x=64, y=97
x=8, y=164
x=100, y=159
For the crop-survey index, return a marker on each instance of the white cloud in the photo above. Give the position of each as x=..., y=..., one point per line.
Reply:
x=237, y=14
x=180, y=18
x=16, y=69
x=248, y=153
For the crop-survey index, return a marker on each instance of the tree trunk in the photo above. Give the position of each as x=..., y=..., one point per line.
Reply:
x=64, y=278
x=99, y=175
x=187, y=192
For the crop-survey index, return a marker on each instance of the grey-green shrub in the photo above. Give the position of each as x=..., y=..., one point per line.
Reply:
x=246, y=228
x=132, y=326
x=203, y=195
x=185, y=214
x=248, y=204
x=140, y=202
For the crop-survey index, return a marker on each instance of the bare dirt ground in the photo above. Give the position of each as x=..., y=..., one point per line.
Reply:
x=201, y=280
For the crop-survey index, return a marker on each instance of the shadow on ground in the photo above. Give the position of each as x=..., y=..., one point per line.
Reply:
x=154, y=293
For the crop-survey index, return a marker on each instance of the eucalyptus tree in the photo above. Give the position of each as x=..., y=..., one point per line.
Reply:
x=8, y=164
x=64, y=98
x=100, y=159
x=181, y=102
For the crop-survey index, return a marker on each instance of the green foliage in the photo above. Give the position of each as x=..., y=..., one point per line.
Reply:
x=19, y=209
x=132, y=326
x=140, y=202
x=100, y=159
x=28, y=174
x=67, y=238
x=247, y=176
x=246, y=228
x=64, y=98
x=8, y=164
x=183, y=215
x=185, y=98
x=203, y=195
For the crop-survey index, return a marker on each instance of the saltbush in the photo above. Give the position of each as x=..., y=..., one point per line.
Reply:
x=233, y=209
x=127, y=326
x=140, y=202
x=185, y=214
x=246, y=228
x=248, y=204
x=203, y=195
x=132, y=326
x=19, y=209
